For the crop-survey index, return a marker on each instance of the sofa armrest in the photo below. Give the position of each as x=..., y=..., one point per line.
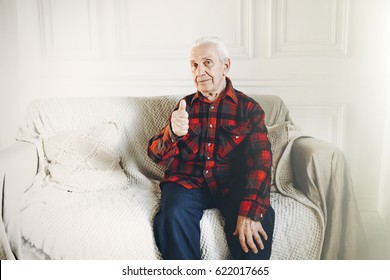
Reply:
x=322, y=173
x=311, y=161
x=18, y=167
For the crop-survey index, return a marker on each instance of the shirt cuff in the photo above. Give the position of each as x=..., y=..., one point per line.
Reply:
x=169, y=137
x=252, y=210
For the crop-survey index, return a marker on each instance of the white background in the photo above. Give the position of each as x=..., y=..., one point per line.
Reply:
x=328, y=60
x=302, y=270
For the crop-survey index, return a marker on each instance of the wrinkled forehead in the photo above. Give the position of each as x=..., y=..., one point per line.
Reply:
x=208, y=50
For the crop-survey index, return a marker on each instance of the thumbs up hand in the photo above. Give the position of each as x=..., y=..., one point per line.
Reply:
x=179, y=120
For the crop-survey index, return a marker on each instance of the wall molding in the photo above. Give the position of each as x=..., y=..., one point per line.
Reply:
x=335, y=45
x=128, y=80
x=322, y=122
x=51, y=45
x=242, y=48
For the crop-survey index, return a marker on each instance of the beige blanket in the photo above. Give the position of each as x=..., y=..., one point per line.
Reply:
x=331, y=189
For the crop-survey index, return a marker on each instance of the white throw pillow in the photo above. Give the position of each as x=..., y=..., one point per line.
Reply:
x=85, y=161
x=278, y=137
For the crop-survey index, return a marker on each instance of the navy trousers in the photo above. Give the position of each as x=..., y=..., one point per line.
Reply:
x=177, y=224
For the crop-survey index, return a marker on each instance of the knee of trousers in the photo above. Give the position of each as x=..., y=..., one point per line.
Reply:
x=177, y=215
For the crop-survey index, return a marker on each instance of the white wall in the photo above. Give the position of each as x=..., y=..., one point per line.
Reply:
x=9, y=65
x=328, y=59
x=384, y=186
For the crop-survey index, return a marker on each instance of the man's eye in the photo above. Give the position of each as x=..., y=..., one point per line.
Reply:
x=194, y=65
x=208, y=63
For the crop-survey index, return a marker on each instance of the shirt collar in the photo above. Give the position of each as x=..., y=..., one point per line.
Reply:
x=228, y=92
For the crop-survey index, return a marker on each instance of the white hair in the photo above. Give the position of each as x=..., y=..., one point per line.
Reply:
x=222, y=49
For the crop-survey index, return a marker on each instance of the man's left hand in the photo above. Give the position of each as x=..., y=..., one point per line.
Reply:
x=249, y=232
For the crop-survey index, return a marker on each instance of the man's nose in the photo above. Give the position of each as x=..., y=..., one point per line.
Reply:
x=200, y=70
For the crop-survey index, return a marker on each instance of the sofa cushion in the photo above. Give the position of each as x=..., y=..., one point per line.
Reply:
x=85, y=161
x=278, y=137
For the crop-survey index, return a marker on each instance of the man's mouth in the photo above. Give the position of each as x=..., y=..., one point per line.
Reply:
x=203, y=81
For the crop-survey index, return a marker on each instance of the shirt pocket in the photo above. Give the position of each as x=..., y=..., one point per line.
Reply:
x=230, y=137
x=189, y=145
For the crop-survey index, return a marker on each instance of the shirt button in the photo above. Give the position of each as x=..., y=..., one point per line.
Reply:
x=211, y=125
x=237, y=136
x=212, y=107
x=208, y=158
x=209, y=144
x=206, y=172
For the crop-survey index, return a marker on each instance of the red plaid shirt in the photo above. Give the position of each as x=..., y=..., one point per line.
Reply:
x=226, y=146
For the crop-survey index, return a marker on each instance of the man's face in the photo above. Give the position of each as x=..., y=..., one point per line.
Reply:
x=207, y=70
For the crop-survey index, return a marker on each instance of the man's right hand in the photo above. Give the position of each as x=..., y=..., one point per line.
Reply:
x=179, y=120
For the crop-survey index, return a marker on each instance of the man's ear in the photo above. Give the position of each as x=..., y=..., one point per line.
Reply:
x=226, y=66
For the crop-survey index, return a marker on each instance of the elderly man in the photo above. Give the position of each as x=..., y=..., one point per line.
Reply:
x=218, y=155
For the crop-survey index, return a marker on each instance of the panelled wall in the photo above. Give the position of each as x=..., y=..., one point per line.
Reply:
x=327, y=59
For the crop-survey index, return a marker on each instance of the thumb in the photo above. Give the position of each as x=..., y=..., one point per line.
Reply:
x=182, y=105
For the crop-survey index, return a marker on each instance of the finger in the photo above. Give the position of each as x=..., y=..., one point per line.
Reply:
x=178, y=122
x=180, y=125
x=258, y=240
x=180, y=115
x=251, y=244
x=241, y=238
x=182, y=105
x=182, y=122
x=179, y=131
x=183, y=129
x=262, y=232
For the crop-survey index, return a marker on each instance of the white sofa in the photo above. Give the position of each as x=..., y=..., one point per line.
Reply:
x=77, y=184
